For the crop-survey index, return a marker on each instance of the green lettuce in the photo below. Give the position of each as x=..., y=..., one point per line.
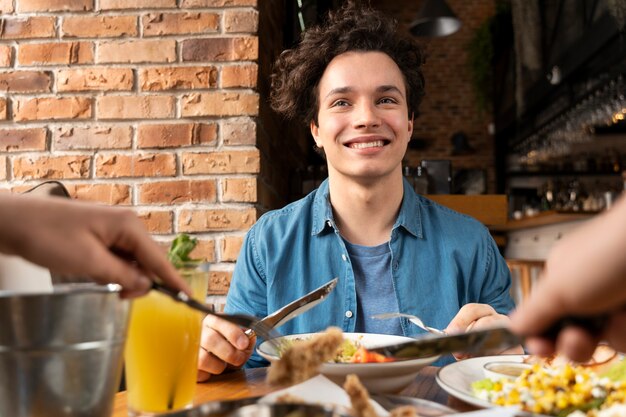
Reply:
x=486, y=384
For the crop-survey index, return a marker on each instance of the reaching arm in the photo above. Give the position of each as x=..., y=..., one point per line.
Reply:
x=69, y=237
x=585, y=274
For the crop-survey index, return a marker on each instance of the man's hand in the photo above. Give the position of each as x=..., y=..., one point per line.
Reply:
x=223, y=345
x=476, y=316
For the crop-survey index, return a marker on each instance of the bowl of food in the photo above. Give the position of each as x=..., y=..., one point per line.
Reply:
x=504, y=369
x=377, y=373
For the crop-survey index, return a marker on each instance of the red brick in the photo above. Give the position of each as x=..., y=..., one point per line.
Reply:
x=3, y=108
x=99, y=26
x=178, y=78
x=6, y=55
x=217, y=3
x=239, y=190
x=244, y=76
x=219, y=282
x=26, y=81
x=6, y=6
x=239, y=21
x=17, y=140
x=136, y=4
x=227, y=162
x=240, y=131
x=220, y=104
x=4, y=173
x=157, y=222
x=136, y=51
x=135, y=107
x=112, y=194
x=220, y=49
x=177, y=192
x=204, y=250
x=92, y=137
x=216, y=220
x=95, y=79
x=230, y=246
x=174, y=135
x=51, y=167
x=49, y=108
x=54, y=5
x=55, y=53
x=28, y=28
x=147, y=165
x=157, y=24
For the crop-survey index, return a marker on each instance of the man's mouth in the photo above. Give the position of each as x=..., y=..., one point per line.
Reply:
x=365, y=145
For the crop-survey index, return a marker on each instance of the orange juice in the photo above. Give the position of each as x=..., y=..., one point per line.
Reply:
x=162, y=350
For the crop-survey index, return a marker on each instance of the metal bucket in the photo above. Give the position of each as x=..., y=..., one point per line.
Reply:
x=61, y=353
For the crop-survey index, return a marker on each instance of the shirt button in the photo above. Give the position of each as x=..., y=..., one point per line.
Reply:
x=349, y=314
x=329, y=223
x=344, y=257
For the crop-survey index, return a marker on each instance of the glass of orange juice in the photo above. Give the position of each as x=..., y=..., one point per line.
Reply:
x=162, y=348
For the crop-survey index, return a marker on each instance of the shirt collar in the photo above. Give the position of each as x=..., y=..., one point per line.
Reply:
x=322, y=211
x=410, y=216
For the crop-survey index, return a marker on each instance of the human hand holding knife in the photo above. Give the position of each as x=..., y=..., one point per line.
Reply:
x=296, y=307
x=485, y=341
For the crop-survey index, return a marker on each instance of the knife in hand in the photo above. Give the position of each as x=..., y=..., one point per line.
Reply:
x=489, y=341
x=297, y=307
x=474, y=342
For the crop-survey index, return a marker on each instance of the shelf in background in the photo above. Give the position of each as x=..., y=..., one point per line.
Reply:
x=561, y=174
x=542, y=219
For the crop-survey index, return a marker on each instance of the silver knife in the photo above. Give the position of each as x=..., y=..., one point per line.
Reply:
x=297, y=307
x=475, y=342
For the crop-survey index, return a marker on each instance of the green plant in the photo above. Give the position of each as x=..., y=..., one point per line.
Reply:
x=481, y=55
x=180, y=249
x=480, y=61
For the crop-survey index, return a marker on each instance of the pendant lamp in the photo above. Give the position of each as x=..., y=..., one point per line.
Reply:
x=435, y=19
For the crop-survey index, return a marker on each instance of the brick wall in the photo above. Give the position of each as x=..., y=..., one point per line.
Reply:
x=148, y=104
x=449, y=104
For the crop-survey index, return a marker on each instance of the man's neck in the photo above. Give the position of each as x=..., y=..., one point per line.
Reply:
x=366, y=213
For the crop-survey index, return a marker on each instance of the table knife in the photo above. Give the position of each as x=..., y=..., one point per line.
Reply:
x=298, y=306
x=474, y=342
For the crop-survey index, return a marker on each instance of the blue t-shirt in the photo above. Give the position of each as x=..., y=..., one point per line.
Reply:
x=440, y=261
x=374, y=288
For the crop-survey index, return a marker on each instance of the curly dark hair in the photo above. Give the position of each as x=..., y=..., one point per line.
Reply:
x=298, y=71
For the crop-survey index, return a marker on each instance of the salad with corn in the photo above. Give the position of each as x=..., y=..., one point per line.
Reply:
x=563, y=391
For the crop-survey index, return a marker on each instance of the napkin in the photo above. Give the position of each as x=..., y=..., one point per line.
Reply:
x=320, y=390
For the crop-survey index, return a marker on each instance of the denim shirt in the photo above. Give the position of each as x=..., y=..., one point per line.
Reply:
x=440, y=260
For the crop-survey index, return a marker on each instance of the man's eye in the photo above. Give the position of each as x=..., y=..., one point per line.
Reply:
x=387, y=100
x=340, y=103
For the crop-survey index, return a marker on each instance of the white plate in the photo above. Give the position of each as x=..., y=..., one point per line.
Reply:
x=456, y=378
x=386, y=377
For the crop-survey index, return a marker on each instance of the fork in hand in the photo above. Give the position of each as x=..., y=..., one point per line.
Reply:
x=413, y=319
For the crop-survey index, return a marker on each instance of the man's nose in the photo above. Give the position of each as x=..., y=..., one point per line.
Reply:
x=366, y=115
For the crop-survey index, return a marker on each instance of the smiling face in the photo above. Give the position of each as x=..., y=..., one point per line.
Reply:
x=363, y=121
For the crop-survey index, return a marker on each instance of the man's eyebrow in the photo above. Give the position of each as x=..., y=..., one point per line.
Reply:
x=380, y=89
x=339, y=90
x=386, y=88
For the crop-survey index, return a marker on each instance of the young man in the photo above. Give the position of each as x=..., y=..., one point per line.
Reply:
x=357, y=84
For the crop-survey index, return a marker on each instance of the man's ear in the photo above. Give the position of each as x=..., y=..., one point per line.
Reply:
x=411, y=125
x=315, y=130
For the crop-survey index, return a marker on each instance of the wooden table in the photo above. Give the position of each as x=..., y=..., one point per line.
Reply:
x=251, y=383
